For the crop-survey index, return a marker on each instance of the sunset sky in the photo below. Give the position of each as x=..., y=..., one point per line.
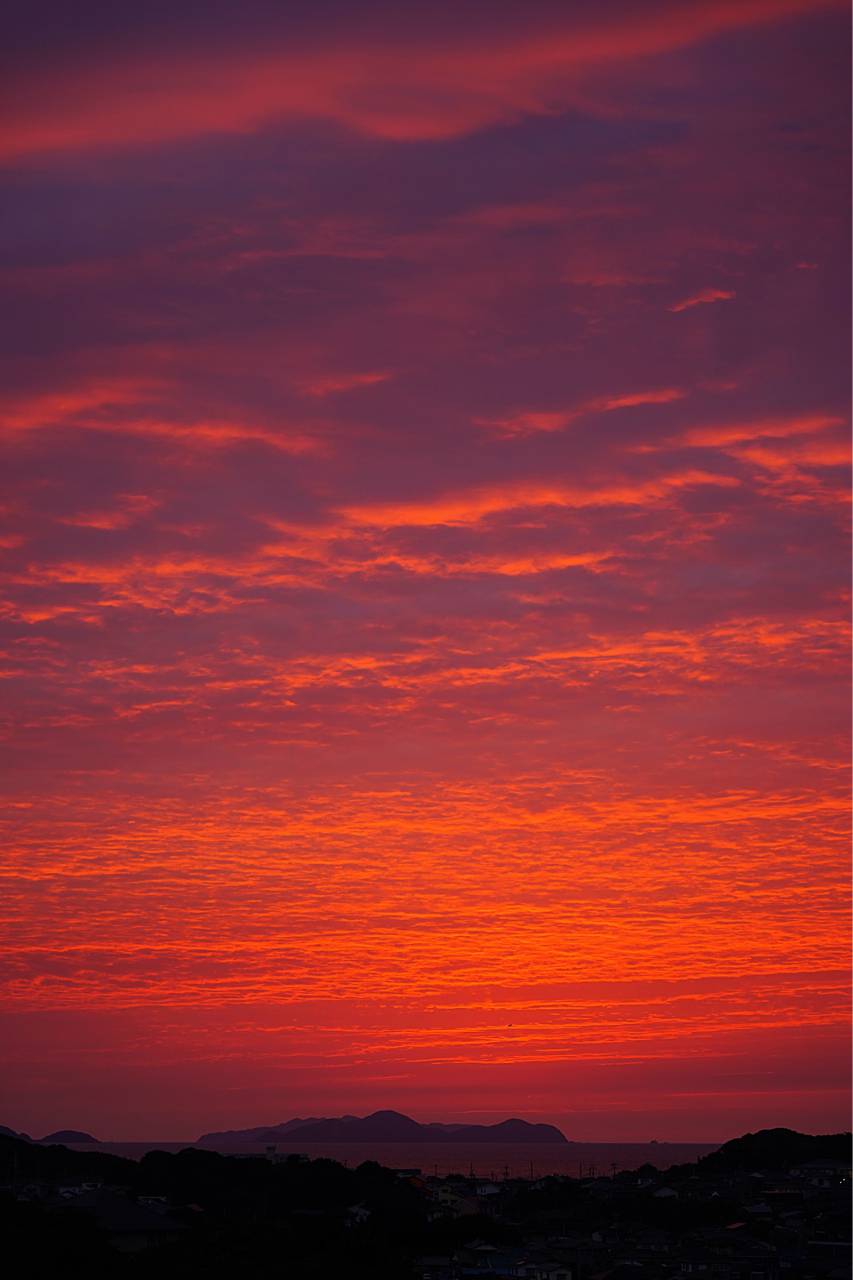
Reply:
x=425, y=630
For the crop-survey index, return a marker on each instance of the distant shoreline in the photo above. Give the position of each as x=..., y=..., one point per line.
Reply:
x=161, y=1143
x=492, y=1159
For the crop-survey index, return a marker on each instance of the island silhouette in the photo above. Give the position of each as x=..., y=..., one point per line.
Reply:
x=386, y=1126
x=60, y=1136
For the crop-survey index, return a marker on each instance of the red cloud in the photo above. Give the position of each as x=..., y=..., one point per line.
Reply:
x=331, y=384
x=726, y=433
x=525, y=423
x=130, y=407
x=470, y=506
x=424, y=88
x=92, y=403
x=129, y=508
x=703, y=296
x=331, y=751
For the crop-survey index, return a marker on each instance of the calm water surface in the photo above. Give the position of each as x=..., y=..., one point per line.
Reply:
x=486, y=1159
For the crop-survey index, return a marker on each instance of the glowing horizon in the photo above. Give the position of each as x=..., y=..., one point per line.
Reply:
x=426, y=617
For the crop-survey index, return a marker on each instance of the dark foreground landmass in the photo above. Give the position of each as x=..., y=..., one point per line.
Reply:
x=774, y=1205
x=385, y=1126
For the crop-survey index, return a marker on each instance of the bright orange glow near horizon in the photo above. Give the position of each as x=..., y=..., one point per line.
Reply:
x=425, y=629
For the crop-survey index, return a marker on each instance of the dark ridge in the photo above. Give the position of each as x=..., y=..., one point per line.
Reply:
x=10, y=1133
x=262, y=1133
x=20, y=1160
x=778, y=1148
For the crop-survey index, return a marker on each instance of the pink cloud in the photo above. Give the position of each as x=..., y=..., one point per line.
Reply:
x=520, y=424
x=703, y=296
x=420, y=89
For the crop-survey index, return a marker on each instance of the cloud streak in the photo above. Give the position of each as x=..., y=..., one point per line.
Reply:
x=399, y=91
x=424, y=610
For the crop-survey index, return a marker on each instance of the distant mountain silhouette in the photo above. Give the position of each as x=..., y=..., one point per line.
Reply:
x=61, y=1135
x=69, y=1135
x=262, y=1133
x=386, y=1126
x=12, y=1133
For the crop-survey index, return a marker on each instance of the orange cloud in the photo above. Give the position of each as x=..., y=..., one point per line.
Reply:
x=528, y=422
x=474, y=505
x=130, y=508
x=129, y=407
x=809, y=453
x=79, y=404
x=718, y=435
x=787, y=449
x=703, y=296
x=382, y=751
x=286, y=439
x=331, y=384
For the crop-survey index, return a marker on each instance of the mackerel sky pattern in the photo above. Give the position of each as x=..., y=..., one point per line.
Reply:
x=426, y=612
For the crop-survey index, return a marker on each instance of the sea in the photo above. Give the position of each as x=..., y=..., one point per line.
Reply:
x=486, y=1160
